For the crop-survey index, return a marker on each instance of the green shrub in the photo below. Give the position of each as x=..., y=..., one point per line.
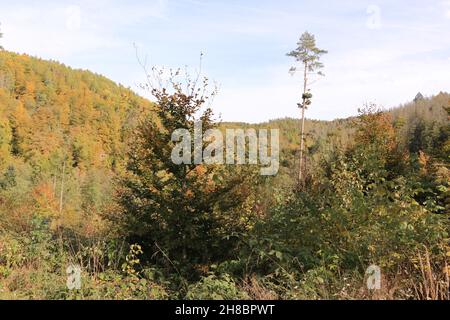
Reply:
x=215, y=288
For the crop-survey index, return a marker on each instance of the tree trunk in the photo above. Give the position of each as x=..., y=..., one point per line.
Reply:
x=62, y=188
x=302, y=130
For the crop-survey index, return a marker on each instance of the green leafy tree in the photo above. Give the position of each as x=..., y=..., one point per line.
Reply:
x=308, y=55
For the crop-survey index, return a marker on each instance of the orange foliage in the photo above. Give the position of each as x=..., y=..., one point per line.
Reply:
x=376, y=127
x=45, y=202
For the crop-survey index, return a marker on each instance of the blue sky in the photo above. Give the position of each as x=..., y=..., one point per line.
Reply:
x=379, y=51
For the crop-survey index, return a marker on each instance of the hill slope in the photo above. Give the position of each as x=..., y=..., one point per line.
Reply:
x=62, y=131
x=419, y=125
x=48, y=111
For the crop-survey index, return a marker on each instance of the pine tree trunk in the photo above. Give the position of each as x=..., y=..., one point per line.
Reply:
x=62, y=188
x=302, y=130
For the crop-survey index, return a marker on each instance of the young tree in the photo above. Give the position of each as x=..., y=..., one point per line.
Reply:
x=185, y=212
x=308, y=56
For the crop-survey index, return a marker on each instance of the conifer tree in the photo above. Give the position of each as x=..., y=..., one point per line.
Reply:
x=308, y=55
x=185, y=212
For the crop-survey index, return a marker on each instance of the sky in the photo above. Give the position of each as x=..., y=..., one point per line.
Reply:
x=382, y=51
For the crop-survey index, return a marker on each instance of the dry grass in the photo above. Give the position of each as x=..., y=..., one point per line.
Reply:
x=434, y=284
x=257, y=291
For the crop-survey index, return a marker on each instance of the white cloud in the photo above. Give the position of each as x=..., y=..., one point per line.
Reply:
x=61, y=30
x=446, y=7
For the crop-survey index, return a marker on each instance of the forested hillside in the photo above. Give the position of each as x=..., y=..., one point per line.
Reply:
x=85, y=178
x=420, y=126
x=63, y=135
